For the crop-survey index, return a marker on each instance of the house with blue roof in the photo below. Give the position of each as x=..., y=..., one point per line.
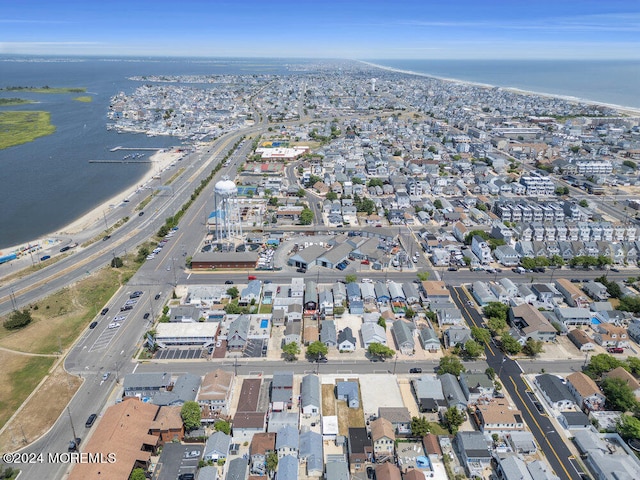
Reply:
x=349, y=392
x=287, y=442
x=287, y=468
x=310, y=398
x=311, y=451
x=217, y=447
x=382, y=293
x=250, y=292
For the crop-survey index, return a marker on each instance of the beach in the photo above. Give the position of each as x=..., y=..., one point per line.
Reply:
x=160, y=162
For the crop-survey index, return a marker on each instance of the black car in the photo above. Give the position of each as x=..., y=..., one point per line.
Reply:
x=575, y=280
x=106, y=237
x=371, y=473
x=538, y=406
x=140, y=214
x=146, y=315
x=322, y=360
x=415, y=370
x=90, y=420
x=186, y=476
x=301, y=270
x=228, y=282
x=93, y=325
x=104, y=311
x=64, y=249
x=74, y=444
x=157, y=296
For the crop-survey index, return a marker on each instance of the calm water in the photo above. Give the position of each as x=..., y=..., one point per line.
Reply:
x=49, y=183
x=616, y=82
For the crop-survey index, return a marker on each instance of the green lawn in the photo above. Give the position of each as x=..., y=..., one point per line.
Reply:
x=17, y=128
x=23, y=382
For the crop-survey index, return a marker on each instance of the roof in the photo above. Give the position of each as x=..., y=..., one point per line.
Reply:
x=578, y=336
x=514, y=468
x=311, y=449
x=372, y=332
x=387, y=471
x=452, y=390
x=287, y=468
x=262, y=442
x=346, y=335
x=337, y=471
x=218, y=443
x=473, y=444
x=499, y=413
x=382, y=428
x=237, y=469
x=253, y=420
x=288, y=437
x=146, y=381
x=576, y=419
x=428, y=386
x=186, y=330
x=358, y=440
x=553, y=387
x=249, y=394
x=402, y=333
x=622, y=374
x=123, y=431
x=583, y=384
x=216, y=385
x=310, y=391
x=395, y=414
x=434, y=288
x=185, y=389
x=282, y=380
x=431, y=444
x=328, y=332
x=349, y=390
x=168, y=418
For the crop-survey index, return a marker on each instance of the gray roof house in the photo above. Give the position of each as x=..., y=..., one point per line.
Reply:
x=292, y=333
x=429, y=339
x=476, y=385
x=287, y=441
x=403, y=337
x=251, y=292
x=411, y=292
x=237, y=469
x=474, y=452
x=353, y=292
x=310, y=401
x=346, y=340
x=368, y=292
x=145, y=384
x=382, y=292
x=325, y=302
x=456, y=334
x=282, y=387
x=279, y=420
x=310, y=295
x=238, y=333
x=208, y=473
x=339, y=293
x=372, y=333
x=328, y=334
x=482, y=293
x=185, y=389
x=287, y=468
x=311, y=451
x=453, y=394
x=428, y=392
x=555, y=392
x=217, y=446
x=184, y=314
x=349, y=392
x=337, y=471
x=395, y=292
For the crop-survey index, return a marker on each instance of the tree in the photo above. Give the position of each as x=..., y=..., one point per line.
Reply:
x=480, y=335
x=18, y=319
x=233, y=292
x=556, y=260
x=628, y=427
x=510, y=345
x=222, y=426
x=381, y=351
x=634, y=365
x=630, y=164
x=453, y=418
x=142, y=254
x=619, y=395
x=437, y=203
x=291, y=351
x=419, y=427
x=468, y=238
x=273, y=201
x=382, y=322
x=317, y=350
x=496, y=309
x=137, y=474
x=583, y=203
x=450, y=364
x=116, y=262
x=351, y=278
x=409, y=313
x=423, y=276
x=601, y=363
x=630, y=303
x=332, y=196
x=306, y=216
x=497, y=325
x=190, y=414
x=272, y=462
x=472, y=348
x=533, y=347
x=490, y=372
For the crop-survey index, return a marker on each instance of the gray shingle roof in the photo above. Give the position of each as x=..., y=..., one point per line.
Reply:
x=288, y=437
x=311, y=449
x=553, y=387
x=402, y=333
x=310, y=391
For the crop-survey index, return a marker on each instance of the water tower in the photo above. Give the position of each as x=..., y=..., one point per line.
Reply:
x=226, y=211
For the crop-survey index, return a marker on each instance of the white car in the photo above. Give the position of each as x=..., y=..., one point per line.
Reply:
x=367, y=280
x=113, y=325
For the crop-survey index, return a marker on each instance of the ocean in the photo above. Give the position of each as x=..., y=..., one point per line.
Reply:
x=48, y=183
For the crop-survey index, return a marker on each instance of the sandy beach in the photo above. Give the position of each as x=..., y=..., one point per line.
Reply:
x=160, y=161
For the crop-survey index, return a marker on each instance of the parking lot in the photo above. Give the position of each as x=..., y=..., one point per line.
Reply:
x=254, y=348
x=180, y=353
x=371, y=398
x=177, y=459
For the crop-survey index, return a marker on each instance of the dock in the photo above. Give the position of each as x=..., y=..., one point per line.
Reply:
x=118, y=148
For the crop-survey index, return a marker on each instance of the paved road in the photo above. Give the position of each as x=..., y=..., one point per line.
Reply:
x=510, y=373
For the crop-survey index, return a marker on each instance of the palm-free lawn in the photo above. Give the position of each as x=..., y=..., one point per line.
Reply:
x=18, y=127
x=328, y=400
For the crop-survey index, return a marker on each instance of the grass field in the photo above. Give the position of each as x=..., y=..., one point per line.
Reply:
x=7, y=102
x=349, y=417
x=47, y=89
x=328, y=400
x=84, y=98
x=17, y=128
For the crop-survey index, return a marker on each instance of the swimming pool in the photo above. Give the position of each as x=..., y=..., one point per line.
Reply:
x=595, y=321
x=264, y=323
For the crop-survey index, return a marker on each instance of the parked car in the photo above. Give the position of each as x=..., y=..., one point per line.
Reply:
x=157, y=296
x=146, y=315
x=228, y=282
x=74, y=444
x=415, y=370
x=105, y=375
x=90, y=420
x=45, y=257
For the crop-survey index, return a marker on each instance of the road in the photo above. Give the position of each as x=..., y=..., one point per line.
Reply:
x=510, y=374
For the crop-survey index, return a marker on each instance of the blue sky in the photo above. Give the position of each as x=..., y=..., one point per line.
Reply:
x=399, y=29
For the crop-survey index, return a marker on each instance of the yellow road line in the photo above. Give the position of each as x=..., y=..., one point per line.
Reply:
x=515, y=387
x=466, y=309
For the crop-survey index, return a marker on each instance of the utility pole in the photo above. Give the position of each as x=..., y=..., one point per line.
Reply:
x=395, y=362
x=73, y=430
x=106, y=225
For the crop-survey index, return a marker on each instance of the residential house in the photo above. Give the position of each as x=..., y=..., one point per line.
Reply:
x=310, y=296
x=282, y=388
x=399, y=417
x=337, y=470
x=237, y=469
x=238, y=334
x=532, y=323
x=383, y=296
x=346, y=340
x=292, y=333
x=217, y=447
x=387, y=471
x=572, y=294
x=311, y=452
x=246, y=424
x=573, y=316
x=555, y=392
x=328, y=334
x=453, y=395
x=498, y=417
x=261, y=445
x=168, y=425
x=325, y=302
x=310, y=400
x=507, y=255
x=359, y=448
x=349, y=392
x=586, y=392
x=145, y=384
x=383, y=438
x=474, y=452
x=481, y=249
x=287, y=468
x=609, y=335
x=629, y=379
x=476, y=386
x=185, y=389
x=581, y=340
x=596, y=290
x=456, y=335
x=251, y=293
x=372, y=333
x=428, y=392
x=428, y=339
x=287, y=442
x=403, y=337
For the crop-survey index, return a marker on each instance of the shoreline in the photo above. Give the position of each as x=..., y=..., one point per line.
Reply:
x=623, y=110
x=160, y=162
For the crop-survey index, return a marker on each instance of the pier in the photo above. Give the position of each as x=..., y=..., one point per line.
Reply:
x=118, y=148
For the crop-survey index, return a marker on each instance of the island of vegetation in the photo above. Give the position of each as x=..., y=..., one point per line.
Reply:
x=84, y=98
x=17, y=128
x=47, y=89
x=6, y=102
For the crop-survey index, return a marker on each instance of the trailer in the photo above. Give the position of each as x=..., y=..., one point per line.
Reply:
x=7, y=258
